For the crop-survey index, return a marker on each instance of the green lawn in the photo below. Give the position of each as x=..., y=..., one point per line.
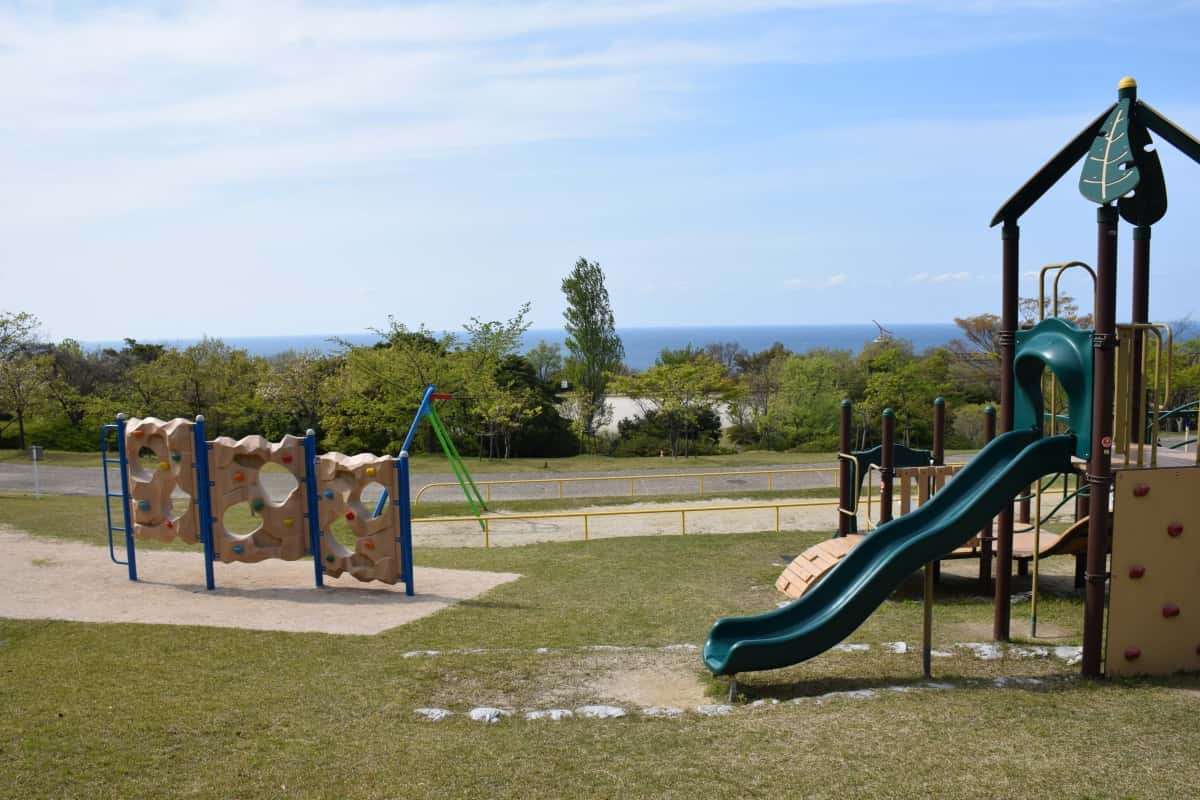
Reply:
x=54, y=458
x=121, y=711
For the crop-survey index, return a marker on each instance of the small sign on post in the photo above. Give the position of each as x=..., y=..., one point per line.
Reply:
x=36, y=453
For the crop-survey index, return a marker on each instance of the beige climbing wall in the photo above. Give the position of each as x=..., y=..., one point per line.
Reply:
x=341, y=481
x=166, y=469
x=235, y=471
x=1154, y=600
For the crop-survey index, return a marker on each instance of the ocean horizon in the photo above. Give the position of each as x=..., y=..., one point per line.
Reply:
x=642, y=344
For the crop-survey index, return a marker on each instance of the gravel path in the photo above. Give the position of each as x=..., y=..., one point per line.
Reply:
x=87, y=481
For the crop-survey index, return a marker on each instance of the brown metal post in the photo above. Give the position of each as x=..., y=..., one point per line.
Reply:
x=985, y=535
x=939, y=431
x=1140, y=314
x=1100, y=462
x=1010, y=236
x=887, y=465
x=846, y=480
x=939, y=456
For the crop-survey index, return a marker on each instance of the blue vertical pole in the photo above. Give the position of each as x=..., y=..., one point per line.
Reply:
x=130, y=554
x=204, y=500
x=422, y=410
x=404, y=500
x=314, y=514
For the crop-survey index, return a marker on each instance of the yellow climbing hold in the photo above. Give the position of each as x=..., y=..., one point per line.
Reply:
x=288, y=522
x=370, y=472
x=163, y=466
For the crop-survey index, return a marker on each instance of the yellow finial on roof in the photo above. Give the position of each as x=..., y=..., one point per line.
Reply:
x=1127, y=83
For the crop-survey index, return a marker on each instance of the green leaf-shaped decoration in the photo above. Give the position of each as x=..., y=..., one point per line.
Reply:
x=1109, y=170
x=1148, y=204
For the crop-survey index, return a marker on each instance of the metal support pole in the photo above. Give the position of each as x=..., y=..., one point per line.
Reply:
x=1140, y=315
x=887, y=465
x=845, y=480
x=985, y=535
x=404, y=501
x=126, y=499
x=927, y=624
x=939, y=456
x=204, y=500
x=1100, y=463
x=1011, y=239
x=314, y=513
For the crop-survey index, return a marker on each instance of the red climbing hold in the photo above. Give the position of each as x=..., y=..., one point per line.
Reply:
x=1132, y=653
x=1137, y=571
x=239, y=476
x=287, y=458
x=170, y=524
x=350, y=515
x=1175, y=530
x=1170, y=610
x=370, y=545
x=1141, y=490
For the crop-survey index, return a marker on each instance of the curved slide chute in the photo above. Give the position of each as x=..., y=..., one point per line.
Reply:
x=852, y=590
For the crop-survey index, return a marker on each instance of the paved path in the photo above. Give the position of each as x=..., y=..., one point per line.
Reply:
x=87, y=481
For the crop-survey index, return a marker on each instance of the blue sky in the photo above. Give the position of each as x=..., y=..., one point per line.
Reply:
x=284, y=167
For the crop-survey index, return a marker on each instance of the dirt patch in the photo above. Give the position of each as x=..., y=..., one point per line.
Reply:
x=652, y=680
x=74, y=581
x=982, y=631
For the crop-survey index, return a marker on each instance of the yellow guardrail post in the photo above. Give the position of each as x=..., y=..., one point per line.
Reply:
x=487, y=536
x=777, y=519
x=585, y=528
x=682, y=522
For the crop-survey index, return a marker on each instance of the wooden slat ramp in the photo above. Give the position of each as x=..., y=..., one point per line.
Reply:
x=808, y=567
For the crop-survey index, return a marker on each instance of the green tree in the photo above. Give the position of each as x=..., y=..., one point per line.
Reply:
x=546, y=359
x=678, y=391
x=595, y=349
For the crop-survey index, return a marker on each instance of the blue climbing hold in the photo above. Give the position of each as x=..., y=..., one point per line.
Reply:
x=143, y=505
x=328, y=494
x=237, y=548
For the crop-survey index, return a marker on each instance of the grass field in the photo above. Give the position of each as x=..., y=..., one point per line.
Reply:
x=124, y=711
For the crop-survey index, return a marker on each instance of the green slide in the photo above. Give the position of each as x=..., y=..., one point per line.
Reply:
x=847, y=595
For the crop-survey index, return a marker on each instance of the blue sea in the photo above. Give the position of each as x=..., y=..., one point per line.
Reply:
x=642, y=345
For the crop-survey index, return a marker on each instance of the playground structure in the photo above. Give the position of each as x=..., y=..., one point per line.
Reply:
x=1108, y=422
x=177, y=484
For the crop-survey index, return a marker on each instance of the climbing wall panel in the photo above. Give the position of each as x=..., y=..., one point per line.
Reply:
x=1154, y=600
x=162, y=479
x=341, y=481
x=277, y=524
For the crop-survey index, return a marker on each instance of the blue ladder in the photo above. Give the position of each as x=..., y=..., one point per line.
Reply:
x=122, y=463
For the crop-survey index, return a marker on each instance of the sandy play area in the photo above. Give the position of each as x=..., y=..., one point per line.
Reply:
x=72, y=581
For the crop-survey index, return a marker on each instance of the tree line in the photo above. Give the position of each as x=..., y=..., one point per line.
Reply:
x=541, y=402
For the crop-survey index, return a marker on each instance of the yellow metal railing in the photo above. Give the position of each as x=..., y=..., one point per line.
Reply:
x=586, y=516
x=633, y=479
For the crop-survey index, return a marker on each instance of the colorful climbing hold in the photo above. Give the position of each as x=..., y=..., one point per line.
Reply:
x=138, y=434
x=369, y=544
x=1132, y=653
x=257, y=504
x=143, y=505
x=287, y=458
x=1141, y=490
x=370, y=472
x=239, y=476
x=288, y=522
x=1170, y=610
x=327, y=494
x=170, y=524
x=350, y=515
x=176, y=456
x=330, y=558
x=237, y=548
x=1175, y=530
x=163, y=466
x=1137, y=571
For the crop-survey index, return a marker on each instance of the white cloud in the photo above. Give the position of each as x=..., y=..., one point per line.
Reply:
x=837, y=279
x=121, y=106
x=941, y=277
